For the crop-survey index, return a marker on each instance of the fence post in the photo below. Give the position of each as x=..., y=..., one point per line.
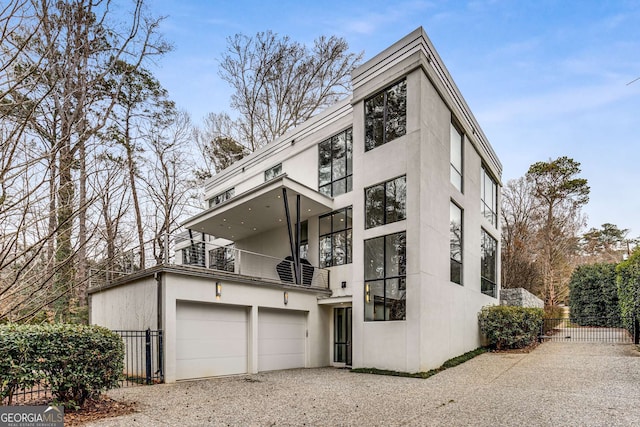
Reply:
x=160, y=356
x=147, y=341
x=636, y=330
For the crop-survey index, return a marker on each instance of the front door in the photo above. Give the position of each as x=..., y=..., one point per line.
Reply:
x=342, y=335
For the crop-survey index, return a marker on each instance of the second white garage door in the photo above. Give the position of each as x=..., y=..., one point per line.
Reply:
x=281, y=339
x=211, y=340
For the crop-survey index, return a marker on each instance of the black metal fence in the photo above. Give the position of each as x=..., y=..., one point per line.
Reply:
x=143, y=364
x=143, y=357
x=591, y=329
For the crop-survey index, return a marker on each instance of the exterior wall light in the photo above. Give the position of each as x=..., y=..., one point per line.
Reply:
x=286, y=297
x=367, y=293
x=218, y=290
x=344, y=284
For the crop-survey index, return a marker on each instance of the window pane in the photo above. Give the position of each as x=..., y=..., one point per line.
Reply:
x=324, y=159
x=374, y=121
x=325, y=225
x=339, y=248
x=325, y=251
x=455, y=229
x=339, y=220
x=395, y=294
x=374, y=258
x=395, y=261
x=396, y=125
x=488, y=261
x=455, y=243
x=339, y=187
x=374, y=206
x=374, y=300
x=339, y=156
x=349, y=145
x=349, y=246
x=396, y=191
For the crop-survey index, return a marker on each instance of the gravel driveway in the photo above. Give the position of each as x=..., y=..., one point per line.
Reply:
x=558, y=384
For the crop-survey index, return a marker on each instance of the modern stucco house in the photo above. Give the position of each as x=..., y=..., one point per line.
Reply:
x=368, y=237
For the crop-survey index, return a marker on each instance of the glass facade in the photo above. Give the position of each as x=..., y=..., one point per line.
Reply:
x=335, y=168
x=336, y=238
x=386, y=202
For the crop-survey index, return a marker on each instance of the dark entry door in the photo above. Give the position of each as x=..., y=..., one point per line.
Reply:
x=342, y=335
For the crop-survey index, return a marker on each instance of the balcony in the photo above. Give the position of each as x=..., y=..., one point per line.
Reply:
x=199, y=254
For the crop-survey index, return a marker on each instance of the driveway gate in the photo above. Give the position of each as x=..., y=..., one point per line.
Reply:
x=592, y=329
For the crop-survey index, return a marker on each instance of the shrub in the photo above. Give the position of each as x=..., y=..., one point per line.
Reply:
x=593, y=295
x=628, y=280
x=76, y=361
x=510, y=327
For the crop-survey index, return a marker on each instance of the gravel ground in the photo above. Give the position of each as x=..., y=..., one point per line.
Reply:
x=557, y=384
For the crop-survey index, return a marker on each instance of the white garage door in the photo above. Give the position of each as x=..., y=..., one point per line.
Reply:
x=281, y=339
x=211, y=340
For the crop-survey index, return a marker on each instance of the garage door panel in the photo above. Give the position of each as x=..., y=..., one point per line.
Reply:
x=211, y=340
x=281, y=339
x=198, y=349
x=203, y=330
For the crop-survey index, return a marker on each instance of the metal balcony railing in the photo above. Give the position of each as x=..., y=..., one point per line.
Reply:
x=182, y=250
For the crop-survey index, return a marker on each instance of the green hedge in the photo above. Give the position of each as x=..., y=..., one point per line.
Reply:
x=510, y=327
x=628, y=280
x=76, y=361
x=593, y=295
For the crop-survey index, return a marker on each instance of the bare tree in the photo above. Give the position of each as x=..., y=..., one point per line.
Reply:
x=218, y=143
x=280, y=83
x=519, y=213
x=58, y=89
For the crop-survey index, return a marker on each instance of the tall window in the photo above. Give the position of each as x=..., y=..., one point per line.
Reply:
x=335, y=168
x=335, y=238
x=489, y=195
x=488, y=264
x=456, y=157
x=455, y=243
x=386, y=202
x=386, y=115
x=385, y=277
x=222, y=197
x=271, y=173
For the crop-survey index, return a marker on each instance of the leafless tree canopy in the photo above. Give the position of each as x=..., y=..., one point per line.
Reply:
x=82, y=123
x=280, y=83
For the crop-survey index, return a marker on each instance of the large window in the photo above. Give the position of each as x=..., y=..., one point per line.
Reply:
x=489, y=195
x=488, y=264
x=386, y=116
x=222, y=197
x=335, y=168
x=386, y=202
x=271, y=173
x=455, y=243
x=335, y=238
x=456, y=157
x=385, y=277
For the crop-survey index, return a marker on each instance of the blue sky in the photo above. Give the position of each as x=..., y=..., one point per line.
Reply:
x=544, y=78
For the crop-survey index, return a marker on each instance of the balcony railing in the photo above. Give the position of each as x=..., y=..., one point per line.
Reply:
x=206, y=255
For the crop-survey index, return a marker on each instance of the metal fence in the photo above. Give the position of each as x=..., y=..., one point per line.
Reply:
x=143, y=357
x=143, y=365
x=601, y=330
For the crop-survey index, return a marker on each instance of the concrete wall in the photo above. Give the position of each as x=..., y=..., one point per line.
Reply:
x=520, y=297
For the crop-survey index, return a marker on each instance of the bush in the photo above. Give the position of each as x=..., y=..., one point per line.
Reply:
x=76, y=361
x=628, y=280
x=593, y=295
x=510, y=327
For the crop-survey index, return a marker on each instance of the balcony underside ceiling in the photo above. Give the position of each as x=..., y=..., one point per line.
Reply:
x=259, y=210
